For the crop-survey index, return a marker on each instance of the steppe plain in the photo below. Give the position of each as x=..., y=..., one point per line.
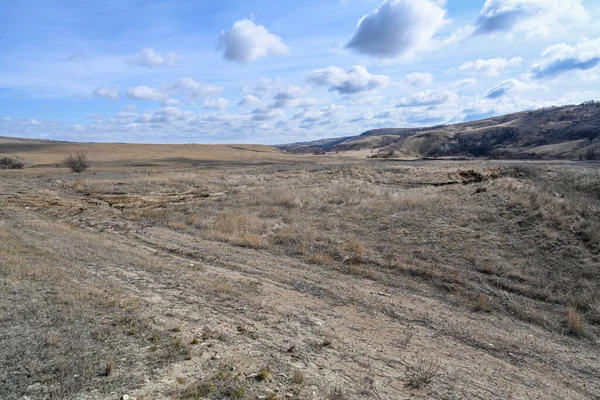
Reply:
x=191, y=272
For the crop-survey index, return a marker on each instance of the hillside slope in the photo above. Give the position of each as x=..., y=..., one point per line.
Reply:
x=567, y=132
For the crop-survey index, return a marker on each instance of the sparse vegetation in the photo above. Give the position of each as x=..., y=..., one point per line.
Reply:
x=298, y=377
x=574, y=322
x=337, y=393
x=109, y=367
x=9, y=163
x=343, y=269
x=76, y=162
x=422, y=371
x=264, y=374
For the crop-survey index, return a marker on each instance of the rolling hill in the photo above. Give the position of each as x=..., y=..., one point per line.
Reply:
x=566, y=132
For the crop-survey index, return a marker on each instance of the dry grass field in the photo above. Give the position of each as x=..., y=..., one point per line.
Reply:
x=241, y=272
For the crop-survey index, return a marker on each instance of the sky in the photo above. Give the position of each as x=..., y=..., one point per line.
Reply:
x=258, y=71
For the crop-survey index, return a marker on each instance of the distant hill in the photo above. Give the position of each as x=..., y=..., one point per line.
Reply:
x=566, y=132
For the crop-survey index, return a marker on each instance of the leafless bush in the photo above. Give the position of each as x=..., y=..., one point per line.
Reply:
x=78, y=162
x=422, y=372
x=591, y=154
x=9, y=163
x=337, y=393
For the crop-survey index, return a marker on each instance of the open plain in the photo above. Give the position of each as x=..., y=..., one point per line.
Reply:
x=243, y=272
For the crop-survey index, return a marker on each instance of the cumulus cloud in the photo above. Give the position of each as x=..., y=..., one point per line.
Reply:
x=144, y=93
x=292, y=97
x=265, y=87
x=249, y=100
x=426, y=98
x=418, y=79
x=512, y=86
x=193, y=88
x=107, y=92
x=172, y=103
x=151, y=59
x=167, y=115
x=247, y=42
x=216, y=104
x=491, y=67
x=357, y=80
x=266, y=114
x=398, y=28
x=537, y=17
x=563, y=58
x=130, y=107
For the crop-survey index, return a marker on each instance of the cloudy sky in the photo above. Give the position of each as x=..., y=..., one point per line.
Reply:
x=259, y=71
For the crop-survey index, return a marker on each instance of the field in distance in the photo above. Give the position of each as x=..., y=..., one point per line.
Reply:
x=243, y=272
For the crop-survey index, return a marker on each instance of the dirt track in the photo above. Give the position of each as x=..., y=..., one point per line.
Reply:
x=342, y=331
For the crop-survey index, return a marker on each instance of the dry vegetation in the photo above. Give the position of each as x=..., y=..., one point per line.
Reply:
x=329, y=280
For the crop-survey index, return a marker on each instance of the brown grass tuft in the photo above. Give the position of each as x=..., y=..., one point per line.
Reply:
x=575, y=323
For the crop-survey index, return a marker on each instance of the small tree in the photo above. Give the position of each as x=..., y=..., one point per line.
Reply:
x=77, y=163
x=590, y=154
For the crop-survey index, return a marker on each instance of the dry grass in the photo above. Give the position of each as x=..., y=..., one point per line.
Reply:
x=382, y=223
x=350, y=244
x=574, y=322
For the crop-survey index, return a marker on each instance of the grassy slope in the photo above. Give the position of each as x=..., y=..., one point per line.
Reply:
x=561, y=132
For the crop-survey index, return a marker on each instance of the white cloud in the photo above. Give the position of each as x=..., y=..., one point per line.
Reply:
x=266, y=114
x=193, y=88
x=130, y=107
x=512, y=86
x=465, y=82
x=398, y=28
x=144, y=93
x=107, y=92
x=249, y=100
x=32, y=122
x=563, y=58
x=172, y=103
x=535, y=17
x=292, y=97
x=491, y=67
x=418, y=79
x=167, y=115
x=5, y=119
x=247, y=42
x=426, y=98
x=216, y=104
x=127, y=115
x=357, y=80
x=151, y=58
x=308, y=119
x=266, y=87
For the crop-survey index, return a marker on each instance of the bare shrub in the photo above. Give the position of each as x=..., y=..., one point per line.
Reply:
x=422, y=372
x=77, y=163
x=109, y=367
x=337, y=393
x=482, y=304
x=9, y=163
x=298, y=377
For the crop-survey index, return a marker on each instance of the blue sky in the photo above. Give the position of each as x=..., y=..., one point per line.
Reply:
x=276, y=71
